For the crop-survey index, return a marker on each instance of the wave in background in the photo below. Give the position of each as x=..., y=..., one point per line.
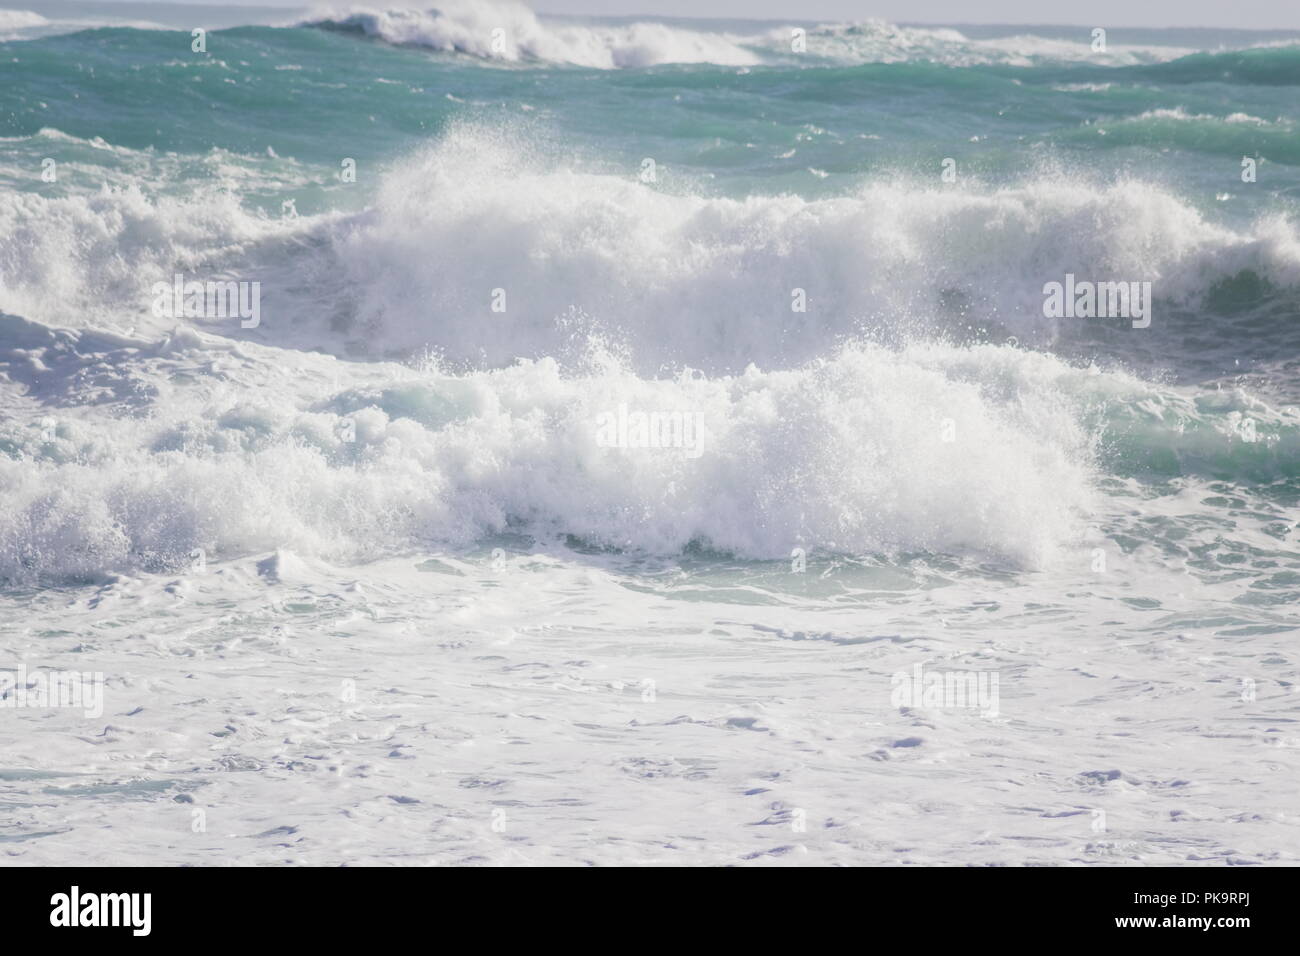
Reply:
x=666, y=278
x=466, y=26
x=30, y=25
x=709, y=281
x=511, y=32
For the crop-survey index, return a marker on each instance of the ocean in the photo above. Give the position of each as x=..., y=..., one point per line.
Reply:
x=465, y=436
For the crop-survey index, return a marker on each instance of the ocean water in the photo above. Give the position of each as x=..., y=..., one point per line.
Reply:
x=386, y=572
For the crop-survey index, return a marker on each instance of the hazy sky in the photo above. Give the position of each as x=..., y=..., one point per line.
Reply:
x=1242, y=14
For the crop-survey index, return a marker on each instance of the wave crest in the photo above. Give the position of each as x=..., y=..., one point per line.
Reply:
x=511, y=32
x=669, y=278
x=871, y=451
x=702, y=280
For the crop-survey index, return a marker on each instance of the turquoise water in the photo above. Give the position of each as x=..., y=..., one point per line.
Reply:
x=314, y=94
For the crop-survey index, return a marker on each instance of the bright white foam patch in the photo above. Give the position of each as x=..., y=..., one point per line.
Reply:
x=686, y=278
x=18, y=19
x=665, y=277
x=93, y=257
x=511, y=32
x=848, y=454
x=467, y=26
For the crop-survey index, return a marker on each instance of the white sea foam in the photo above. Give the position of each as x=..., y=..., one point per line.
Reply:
x=695, y=279
x=17, y=19
x=878, y=41
x=166, y=444
x=845, y=454
x=467, y=26
x=601, y=713
x=665, y=277
x=1179, y=114
x=85, y=257
x=20, y=24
